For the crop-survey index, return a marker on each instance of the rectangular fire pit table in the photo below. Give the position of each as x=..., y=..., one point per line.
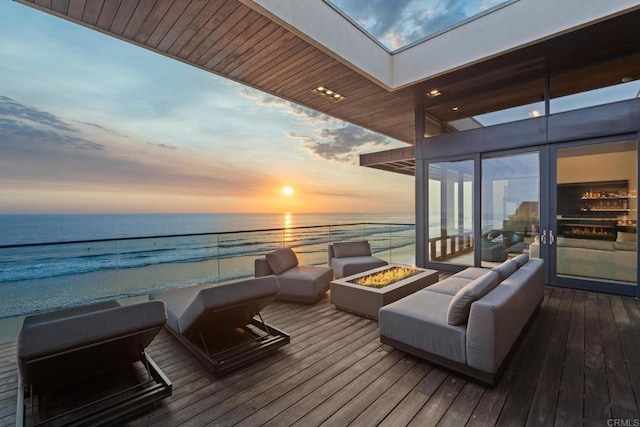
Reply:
x=366, y=300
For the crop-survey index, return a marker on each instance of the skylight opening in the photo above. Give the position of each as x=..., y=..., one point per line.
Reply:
x=400, y=24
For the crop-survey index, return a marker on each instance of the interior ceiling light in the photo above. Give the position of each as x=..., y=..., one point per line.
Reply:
x=455, y=108
x=328, y=93
x=627, y=79
x=534, y=113
x=434, y=92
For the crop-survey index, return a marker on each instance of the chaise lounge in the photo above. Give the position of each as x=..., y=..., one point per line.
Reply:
x=63, y=354
x=349, y=258
x=298, y=283
x=222, y=325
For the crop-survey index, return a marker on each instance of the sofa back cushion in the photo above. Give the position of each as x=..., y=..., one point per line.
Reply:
x=458, y=312
x=282, y=260
x=505, y=269
x=521, y=259
x=351, y=249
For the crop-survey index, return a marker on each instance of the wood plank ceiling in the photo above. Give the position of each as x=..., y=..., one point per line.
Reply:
x=228, y=38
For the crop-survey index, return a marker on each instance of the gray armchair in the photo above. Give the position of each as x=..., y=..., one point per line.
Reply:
x=348, y=258
x=298, y=283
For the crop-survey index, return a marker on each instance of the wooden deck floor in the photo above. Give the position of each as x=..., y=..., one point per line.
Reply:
x=579, y=363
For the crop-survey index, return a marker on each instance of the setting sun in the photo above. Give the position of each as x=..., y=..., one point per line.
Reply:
x=287, y=191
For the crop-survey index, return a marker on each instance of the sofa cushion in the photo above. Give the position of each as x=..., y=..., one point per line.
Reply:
x=602, y=245
x=351, y=249
x=304, y=282
x=521, y=260
x=625, y=246
x=450, y=286
x=471, y=273
x=626, y=237
x=505, y=269
x=282, y=260
x=420, y=321
x=458, y=311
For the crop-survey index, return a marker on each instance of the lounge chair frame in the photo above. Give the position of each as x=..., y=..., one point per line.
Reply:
x=105, y=410
x=259, y=341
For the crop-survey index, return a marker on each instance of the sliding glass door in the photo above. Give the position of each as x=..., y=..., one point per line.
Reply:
x=510, y=207
x=596, y=211
x=450, y=212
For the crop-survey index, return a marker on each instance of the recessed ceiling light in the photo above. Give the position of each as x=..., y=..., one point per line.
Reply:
x=627, y=79
x=534, y=113
x=331, y=94
x=455, y=109
x=433, y=92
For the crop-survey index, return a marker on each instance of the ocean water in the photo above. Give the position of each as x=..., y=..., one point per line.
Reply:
x=53, y=261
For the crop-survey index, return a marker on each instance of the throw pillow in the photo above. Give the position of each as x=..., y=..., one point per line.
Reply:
x=351, y=249
x=282, y=260
x=460, y=305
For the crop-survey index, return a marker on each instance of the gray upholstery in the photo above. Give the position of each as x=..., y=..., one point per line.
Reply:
x=282, y=260
x=305, y=282
x=458, y=312
x=351, y=249
x=506, y=269
x=497, y=319
x=471, y=273
x=451, y=285
x=349, y=258
x=76, y=330
x=343, y=267
x=300, y=283
x=419, y=323
x=420, y=320
x=521, y=259
x=188, y=306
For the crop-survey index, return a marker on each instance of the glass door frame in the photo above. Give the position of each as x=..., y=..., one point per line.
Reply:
x=438, y=265
x=553, y=278
x=543, y=196
x=543, y=152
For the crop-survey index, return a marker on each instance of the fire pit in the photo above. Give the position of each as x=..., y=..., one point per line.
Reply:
x=366, y=292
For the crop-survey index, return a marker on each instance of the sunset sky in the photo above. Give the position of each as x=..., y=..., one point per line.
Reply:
x=89, y=123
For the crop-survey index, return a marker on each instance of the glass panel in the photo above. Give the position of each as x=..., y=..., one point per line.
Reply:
x=510, y=206
x=451, y=212
x=597, y=85
x=597, y=211
x=397, y=25
x=507, y=104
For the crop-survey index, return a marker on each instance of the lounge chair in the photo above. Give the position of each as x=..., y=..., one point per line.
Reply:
x=298, y=283
x=87, y=365
x=222, y=325
x=349, y=258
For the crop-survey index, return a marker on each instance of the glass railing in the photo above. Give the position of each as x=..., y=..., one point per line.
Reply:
x=45, y=276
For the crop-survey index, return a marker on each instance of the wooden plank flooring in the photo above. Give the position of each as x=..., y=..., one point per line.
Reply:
x=578, y=364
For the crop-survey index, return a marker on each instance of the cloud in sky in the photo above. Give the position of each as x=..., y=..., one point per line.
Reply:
x=91, y=124
x=401, y=22
x=332, y=139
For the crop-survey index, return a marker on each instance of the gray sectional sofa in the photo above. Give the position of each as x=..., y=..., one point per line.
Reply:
x=470, y=321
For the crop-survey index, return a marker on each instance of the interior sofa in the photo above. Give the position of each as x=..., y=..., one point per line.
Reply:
x=349, y=258
x=298, y=283
x=601, y=259
x=496, y=245
x=469, y=322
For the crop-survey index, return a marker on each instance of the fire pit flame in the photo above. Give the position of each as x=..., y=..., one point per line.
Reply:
x=386, y=277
